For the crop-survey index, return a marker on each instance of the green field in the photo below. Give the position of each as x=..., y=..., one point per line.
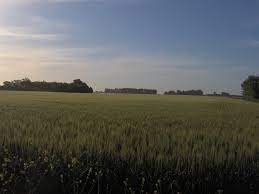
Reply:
x=101, y=143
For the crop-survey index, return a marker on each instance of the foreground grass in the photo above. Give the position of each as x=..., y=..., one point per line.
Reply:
x=99, y=143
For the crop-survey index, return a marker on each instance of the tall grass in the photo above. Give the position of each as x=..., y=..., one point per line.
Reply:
x=99, y=143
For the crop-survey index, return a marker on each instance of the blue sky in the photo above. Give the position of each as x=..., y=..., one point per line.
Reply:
x=164, y=44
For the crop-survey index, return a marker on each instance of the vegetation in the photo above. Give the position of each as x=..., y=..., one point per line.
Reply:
x=131, y=91
x=77, y=86
x=99, y=143
x=224, y=94
x=187, y=92
x=251, y=87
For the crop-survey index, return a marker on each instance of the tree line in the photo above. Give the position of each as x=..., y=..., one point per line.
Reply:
x=131, y=91
x=187, y=92
x=77, y=86
x=250, y=88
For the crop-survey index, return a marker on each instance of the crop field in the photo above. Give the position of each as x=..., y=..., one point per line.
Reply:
x=101, y=143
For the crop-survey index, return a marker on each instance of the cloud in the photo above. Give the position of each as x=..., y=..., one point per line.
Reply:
x=24, y=2
x=96, y=63
x=47, y=55
x=254, y=43
x=76, y=1
x=43, y=63
x=26, y=33
x=90, y=2
x=105, y=66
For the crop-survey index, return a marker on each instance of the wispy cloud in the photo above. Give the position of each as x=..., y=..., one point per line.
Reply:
x=90, y=2
x=76, y=1
x=22, y=2
x=48, y=55
x=45, y=62
x=26, y=33
x=107, y=67
x=254, y=43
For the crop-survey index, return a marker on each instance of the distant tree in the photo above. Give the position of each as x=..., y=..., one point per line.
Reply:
x=77, y=86
x=26, y=83
x=171, y=92
x=7, y=84
x=187, y=92
x=77, y=81
x=225, y=94
x=131, y=91
x=250, y=87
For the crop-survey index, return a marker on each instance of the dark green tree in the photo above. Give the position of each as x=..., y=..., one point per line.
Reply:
x=171, y=92
x=225, y=94
x=250, y=87
x=77, y=86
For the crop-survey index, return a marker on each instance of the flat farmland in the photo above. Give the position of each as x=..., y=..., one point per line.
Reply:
x=107, y=143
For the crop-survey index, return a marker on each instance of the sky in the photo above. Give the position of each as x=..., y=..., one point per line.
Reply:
x=211, y=45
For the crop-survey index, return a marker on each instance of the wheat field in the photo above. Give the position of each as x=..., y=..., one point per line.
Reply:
x=108, y=143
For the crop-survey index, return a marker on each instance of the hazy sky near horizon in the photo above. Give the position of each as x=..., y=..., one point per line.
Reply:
x=164, y=44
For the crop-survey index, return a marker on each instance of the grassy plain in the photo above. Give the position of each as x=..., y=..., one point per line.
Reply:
x=101, y=143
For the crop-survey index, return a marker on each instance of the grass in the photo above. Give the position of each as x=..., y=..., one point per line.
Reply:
x=101, y=143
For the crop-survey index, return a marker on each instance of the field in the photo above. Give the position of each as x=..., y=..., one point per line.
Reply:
x=100, y=143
